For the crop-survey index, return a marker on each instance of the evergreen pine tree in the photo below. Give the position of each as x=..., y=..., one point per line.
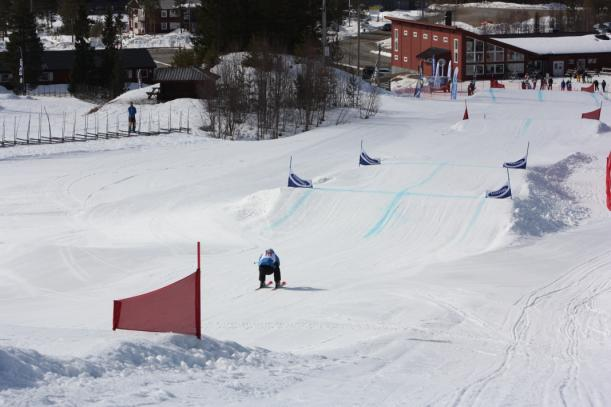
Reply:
x=83, y=69
x=24, y=40
x=4, y=17
x=112, y=68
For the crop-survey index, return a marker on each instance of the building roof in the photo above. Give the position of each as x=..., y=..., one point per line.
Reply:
x=584, y=44
x=170, y=4
x=131, y=58
x=188, y=74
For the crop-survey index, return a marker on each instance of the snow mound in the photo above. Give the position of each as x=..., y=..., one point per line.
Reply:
x=22, y=368
x=551, y=205
x=255, y=206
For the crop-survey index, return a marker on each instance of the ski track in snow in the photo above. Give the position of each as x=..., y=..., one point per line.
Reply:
x=406, y=286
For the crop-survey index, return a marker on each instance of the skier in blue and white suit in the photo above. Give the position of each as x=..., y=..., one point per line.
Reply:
x=269, y=263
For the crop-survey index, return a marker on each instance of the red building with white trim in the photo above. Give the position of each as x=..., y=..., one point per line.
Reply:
x=494, y=56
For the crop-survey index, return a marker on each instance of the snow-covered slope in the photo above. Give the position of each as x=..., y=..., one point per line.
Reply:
x=405, y=286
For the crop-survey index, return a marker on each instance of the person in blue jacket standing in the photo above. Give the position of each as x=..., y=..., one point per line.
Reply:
x=131, y=112
x=269, y=263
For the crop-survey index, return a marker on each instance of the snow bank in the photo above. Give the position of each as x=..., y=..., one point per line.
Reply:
x=551, y=205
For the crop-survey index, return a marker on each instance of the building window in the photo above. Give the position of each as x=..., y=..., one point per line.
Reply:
x=6, y=77
x=174, y=26
x=494, y=53
x=495, y=69
x=474, y=70
x=174, y=13
x=396, y=57
x=415, y=34
x=425, y=36
x=164, y=26
x=164, y=13
x=475, y=50
x=515, y=68
x=405, y=33
x=404, y=59
x=445, y=39
x=455, y=50
x=187, y=15
x=591, y=60
x=435, y=38
x=396, y=40
x=514, y=56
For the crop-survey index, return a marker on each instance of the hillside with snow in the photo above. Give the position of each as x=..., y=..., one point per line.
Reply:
x=406, y=287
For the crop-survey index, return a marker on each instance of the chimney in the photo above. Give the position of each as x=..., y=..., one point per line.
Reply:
x=449, y=18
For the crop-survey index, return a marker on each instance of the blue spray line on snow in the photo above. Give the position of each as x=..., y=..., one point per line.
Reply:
x=291, y=211
x=492, y=95
x=540, y=95
x=355, y=191
x=399, y=162
x=473, y=220
x=596, y=101
x=525, y=127
x=394, y=204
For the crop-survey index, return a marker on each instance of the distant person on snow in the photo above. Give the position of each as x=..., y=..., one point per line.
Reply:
x=269, y=263
x=603, y=85
x=596, y=84
x=131, y=113
x=550, y=82
x=562, y=85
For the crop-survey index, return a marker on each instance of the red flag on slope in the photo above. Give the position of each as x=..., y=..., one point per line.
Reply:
x=588, y=89
x=609, y=182
x=173, y=308
x=594, y=114
x=466, y=115
x=496, y=84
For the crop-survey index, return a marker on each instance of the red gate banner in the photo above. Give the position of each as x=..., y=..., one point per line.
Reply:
x=173, y=308
x=496, y=84
x=465, y=116
x=609, y=182
x=588, y=89
x=594, y=114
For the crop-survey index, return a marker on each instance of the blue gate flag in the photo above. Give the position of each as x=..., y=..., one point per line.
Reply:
x=295, y=181
x=501, y=193
x=364, y=159
x=520, y=164
x=454, y=87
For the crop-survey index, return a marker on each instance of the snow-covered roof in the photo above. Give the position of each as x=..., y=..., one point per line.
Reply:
x=582, y=44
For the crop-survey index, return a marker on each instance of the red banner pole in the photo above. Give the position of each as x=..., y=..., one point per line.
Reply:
x=198, y=306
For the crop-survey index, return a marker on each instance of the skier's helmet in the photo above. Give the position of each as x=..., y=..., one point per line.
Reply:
x=269, y=252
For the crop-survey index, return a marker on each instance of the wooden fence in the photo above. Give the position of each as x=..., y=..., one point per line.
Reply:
x=92, y=127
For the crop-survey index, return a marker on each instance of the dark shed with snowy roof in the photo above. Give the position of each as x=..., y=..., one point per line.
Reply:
x=188, y=82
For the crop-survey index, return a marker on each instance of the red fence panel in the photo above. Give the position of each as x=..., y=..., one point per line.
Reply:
x=594, y=114
x=588, y=88
x=173, y=308
x=609, y=182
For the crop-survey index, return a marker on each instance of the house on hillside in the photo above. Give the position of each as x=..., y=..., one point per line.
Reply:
x=163, y=19
x=495, y=55
x=57, y=66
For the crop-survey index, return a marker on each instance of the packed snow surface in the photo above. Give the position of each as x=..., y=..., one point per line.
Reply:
x=405, y=286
